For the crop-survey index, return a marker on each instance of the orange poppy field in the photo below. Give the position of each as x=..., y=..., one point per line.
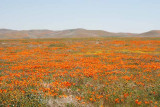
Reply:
x=86, y=72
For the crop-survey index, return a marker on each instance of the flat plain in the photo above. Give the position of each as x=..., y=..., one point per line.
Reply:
x=85, y=72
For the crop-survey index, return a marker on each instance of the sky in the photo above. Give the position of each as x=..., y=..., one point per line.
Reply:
x=135, y=16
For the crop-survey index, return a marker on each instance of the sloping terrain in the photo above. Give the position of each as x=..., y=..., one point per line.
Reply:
x=152, y=33
x=70, y=33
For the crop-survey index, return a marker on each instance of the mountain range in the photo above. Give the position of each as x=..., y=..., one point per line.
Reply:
x=70, y=33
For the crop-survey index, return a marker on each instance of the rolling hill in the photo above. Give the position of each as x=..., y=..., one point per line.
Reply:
x=70, y=33
x=152, y=33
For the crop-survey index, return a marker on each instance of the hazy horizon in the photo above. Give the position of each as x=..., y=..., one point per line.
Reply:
x=80, y=28
x=109, y=15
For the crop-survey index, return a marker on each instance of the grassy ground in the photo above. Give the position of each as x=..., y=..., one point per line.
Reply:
x=93, y=72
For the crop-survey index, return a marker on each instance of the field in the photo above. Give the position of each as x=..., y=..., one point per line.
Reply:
x=91, y=72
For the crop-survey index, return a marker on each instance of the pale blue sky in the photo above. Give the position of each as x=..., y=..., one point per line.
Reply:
x=110, y=15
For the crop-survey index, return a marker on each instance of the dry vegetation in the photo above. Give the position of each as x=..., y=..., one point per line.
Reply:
x=100, y=72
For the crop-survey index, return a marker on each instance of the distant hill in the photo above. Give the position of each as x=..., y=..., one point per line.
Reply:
x=70, y=33
x=2, y=31
x=152, y=33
